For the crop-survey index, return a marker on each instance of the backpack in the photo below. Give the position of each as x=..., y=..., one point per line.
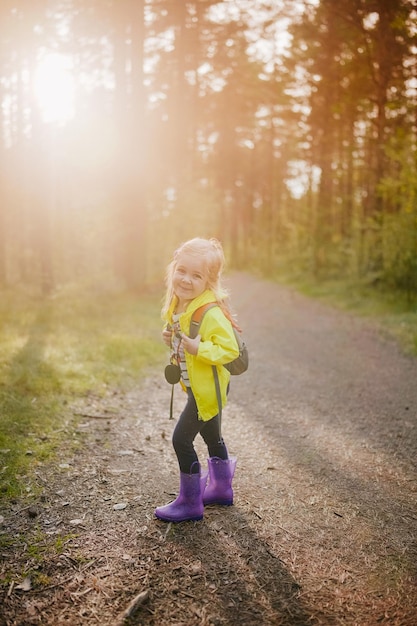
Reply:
x=238, y=365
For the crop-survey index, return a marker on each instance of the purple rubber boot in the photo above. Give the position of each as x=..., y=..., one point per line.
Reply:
x=219, y=490
x=189, y=503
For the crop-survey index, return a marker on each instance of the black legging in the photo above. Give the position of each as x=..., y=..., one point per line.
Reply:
x=186, y=430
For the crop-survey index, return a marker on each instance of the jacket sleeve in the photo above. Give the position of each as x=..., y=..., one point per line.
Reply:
x=218, y=343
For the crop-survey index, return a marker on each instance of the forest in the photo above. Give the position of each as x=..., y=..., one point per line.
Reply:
x=287, y=129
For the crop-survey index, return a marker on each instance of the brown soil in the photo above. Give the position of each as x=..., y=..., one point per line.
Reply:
x=323, y=530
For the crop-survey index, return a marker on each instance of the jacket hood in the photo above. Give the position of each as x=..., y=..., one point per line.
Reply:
x=204, y=298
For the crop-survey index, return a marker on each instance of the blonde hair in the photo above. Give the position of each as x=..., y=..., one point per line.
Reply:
x=212, y=254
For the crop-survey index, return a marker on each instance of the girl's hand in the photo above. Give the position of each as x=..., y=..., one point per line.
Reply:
x=191, y=345
x=166, y=337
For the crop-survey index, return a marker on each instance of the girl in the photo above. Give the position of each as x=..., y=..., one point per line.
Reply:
x=194, y=279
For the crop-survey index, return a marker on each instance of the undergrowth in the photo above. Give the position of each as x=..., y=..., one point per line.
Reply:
x=56, y=349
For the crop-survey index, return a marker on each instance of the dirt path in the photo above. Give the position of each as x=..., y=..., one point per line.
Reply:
x=324, y=526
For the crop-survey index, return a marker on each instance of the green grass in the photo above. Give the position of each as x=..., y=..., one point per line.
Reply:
x=55, y=350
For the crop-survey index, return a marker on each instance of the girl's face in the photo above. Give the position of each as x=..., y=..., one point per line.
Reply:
x=189, y=279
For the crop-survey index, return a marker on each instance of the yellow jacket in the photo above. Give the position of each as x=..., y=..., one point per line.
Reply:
x=217, y=346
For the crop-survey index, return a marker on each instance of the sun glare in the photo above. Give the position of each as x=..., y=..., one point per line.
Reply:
x=54, y=88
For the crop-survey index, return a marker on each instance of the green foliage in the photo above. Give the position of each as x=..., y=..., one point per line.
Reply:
x=399, y=232
x=56, y=349
x=400, y=252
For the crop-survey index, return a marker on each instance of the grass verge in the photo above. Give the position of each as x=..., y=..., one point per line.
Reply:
x=395, y=314
x=57, y=349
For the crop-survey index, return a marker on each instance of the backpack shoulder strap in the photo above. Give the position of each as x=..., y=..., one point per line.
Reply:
x=197, y=318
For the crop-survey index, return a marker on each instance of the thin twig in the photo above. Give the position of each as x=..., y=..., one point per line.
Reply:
x=10, y=590
x=132, y=607
x=97, y=417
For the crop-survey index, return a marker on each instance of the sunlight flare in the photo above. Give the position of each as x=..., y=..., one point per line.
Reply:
x=54, y=88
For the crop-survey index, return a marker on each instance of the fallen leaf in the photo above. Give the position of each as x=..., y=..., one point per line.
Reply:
x=195, y=568
x=120, y=506
x=25, y=585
